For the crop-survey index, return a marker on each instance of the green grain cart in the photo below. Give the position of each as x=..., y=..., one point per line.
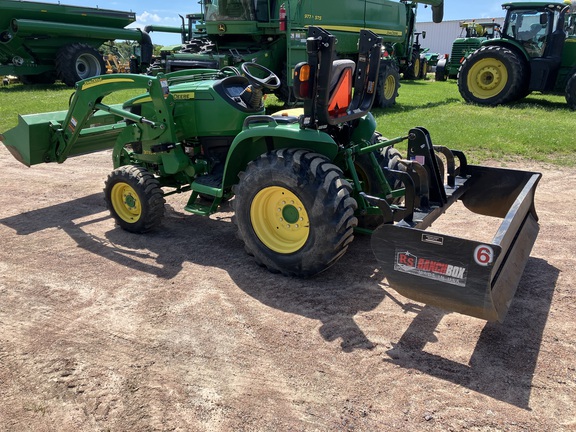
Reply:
x=43, y=42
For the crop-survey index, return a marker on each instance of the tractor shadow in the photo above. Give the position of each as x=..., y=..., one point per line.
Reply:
x=504, y=357
x=503, y=362
x=333, y=298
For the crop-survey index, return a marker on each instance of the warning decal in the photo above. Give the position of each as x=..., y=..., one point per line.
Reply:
x=407, y=262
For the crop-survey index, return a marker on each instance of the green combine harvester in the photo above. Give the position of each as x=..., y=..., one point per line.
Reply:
x=302, y=183
x=273, y=33
x=43, y=42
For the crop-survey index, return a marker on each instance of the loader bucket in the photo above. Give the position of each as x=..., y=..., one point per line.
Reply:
x=30, y=141
x=470, y=277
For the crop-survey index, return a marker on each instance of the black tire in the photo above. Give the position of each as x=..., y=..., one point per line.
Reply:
x=294, y=212
x=412, y=72
x=571, y=92
x=491, y=75
x=391, y=159
x=134, y=198
x=388, y=85
x=440, y=73
x=423, y=68
x=78, y=61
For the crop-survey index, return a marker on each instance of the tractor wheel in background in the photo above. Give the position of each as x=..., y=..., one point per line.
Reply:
x=414, y=68
x=78, y=61
x=294, y=212
x=571, y=92
x=423, y=68
x=388, y=85
x=491, y=75
x=440, y=74
x=134, y=198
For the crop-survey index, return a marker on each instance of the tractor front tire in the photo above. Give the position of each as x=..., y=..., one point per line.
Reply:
x=78, y=61
x=388, y=85
x=571, y=92
x=423, y=68
x=491, y=75
x=414, y=68
x=134, y=198
x=294, y=212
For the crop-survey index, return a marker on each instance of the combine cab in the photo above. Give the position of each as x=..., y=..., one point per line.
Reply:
x=304, y=184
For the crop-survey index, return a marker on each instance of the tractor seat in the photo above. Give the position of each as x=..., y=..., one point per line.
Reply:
x=341, y=87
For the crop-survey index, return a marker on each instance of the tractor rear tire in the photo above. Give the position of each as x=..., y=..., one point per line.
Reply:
x=134, y=198
x=294, y=212
x=388, y=85
x=78, y=61
x=491, y=75
x=571, y=92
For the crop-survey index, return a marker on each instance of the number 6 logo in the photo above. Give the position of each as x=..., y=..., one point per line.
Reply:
x=483, y=255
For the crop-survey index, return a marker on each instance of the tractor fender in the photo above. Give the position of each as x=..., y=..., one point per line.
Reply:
x=512, y=45
x=262, y=134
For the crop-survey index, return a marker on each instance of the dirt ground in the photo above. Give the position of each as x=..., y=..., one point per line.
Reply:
x=180, y=330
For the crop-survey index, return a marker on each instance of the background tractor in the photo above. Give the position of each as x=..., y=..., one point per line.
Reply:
x=537, y=52
x=472, y=35
x=301, y=185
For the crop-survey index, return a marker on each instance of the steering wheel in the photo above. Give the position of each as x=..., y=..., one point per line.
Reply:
x=271, y=81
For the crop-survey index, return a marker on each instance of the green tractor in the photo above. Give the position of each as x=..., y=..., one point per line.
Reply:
x=471, y=38
x=302, y=183
x=537, y=52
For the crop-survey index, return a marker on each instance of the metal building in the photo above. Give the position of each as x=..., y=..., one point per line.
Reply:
x=439, y=37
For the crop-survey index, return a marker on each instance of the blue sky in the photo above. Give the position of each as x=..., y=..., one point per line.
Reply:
x=166, y=13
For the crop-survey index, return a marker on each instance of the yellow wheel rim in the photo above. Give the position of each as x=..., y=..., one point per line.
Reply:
x=126, y=202
x=389, y=87
x=279, y=219
x=417, y=67
x=487, y=78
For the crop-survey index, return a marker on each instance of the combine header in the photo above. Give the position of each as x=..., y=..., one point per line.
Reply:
x=303, y=184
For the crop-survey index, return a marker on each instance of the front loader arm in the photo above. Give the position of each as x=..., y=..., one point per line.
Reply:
x=87, y=100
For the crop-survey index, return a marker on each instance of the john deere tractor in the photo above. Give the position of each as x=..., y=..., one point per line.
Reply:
x=472, y=35
x=537, y=52
x=301, y=185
